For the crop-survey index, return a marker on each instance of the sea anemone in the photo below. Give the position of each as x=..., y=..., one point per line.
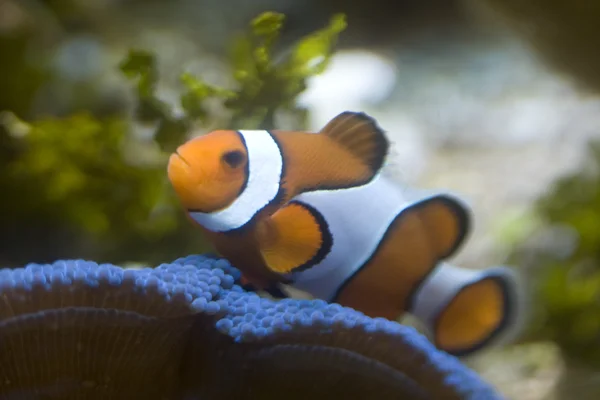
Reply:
x=186, y=330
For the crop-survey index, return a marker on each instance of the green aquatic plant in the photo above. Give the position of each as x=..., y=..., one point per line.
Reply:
x=564, y=261
x=74, y=164
x=264, y=85
x=91, y=187
x=89, y=176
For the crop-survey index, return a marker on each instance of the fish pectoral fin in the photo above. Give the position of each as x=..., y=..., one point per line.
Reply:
x=446, y=222
x=291, y=238
x=360, y=135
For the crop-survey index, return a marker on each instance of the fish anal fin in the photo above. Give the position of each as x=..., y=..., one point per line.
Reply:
x=291, y=238
x=359, y=134
x=446, y=222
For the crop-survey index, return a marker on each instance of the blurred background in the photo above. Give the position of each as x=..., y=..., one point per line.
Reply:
x=496, y=100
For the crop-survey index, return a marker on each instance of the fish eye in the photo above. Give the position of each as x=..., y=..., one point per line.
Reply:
x=233, y=158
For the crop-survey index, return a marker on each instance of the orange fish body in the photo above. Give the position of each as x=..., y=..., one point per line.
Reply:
x=314, y=211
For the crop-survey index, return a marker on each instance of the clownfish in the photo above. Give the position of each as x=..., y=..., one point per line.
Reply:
x=314, y=211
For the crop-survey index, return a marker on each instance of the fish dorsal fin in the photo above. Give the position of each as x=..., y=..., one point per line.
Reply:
x=360, y=135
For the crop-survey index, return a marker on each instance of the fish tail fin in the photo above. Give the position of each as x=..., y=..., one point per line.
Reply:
x=467, y=310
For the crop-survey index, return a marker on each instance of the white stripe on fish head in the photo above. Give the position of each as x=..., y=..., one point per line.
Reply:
x=265, y=169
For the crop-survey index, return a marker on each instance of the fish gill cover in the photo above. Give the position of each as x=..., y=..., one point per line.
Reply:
x=186, y=330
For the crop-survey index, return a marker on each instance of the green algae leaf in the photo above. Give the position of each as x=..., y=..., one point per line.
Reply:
x=268, y=25
x=252, y=64
x=250, y=55
x=196, y=93
x=202, y=89
x=137, y=62
x=266, y=28
x=76, y=167
x=141, y=64
x=312, y=53
x=241, y=59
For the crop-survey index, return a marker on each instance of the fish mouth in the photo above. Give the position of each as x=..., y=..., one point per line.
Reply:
x=181, y=158
x=181, y=175
x=178, y=169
